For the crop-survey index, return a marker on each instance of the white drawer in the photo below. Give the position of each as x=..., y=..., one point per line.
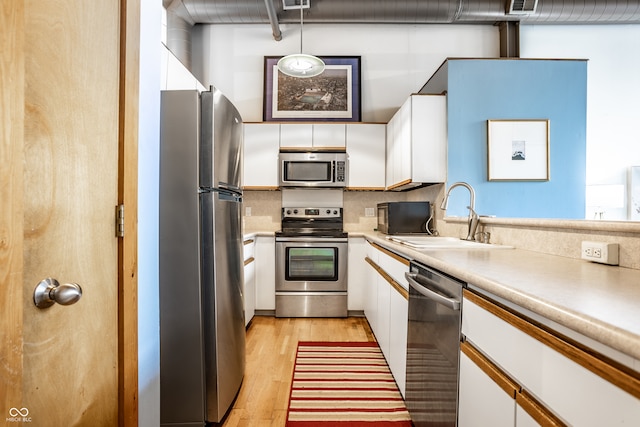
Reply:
x=248, y=247
x=395, y=266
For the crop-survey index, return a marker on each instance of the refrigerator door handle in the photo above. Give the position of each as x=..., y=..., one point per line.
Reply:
x=224, y=194
x=229, y=187
x=222, y=188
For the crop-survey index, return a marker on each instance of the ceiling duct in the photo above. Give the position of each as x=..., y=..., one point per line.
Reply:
x=517, y=7
x=415, y=11
x=295, y=4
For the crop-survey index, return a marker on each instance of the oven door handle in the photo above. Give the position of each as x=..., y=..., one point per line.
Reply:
x=452, y=303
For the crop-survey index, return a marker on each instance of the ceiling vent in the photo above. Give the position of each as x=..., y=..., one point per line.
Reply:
x=295, y=4
x=522, y=7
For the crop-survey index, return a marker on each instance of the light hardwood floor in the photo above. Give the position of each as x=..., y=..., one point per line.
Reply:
x=271, y=350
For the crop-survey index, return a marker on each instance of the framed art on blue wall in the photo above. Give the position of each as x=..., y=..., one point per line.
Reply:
x=518, y=150
x=334, y=95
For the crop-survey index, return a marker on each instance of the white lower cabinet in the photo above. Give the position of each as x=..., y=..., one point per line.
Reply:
x=398, y=318
x=481, y=401
x=357, y=273
x=557, y=381
x=371, y=289
x=387, y=306
x=249, y=290
x=523, y=419
x=382, y=328
x=249, y=294
x=265, y=250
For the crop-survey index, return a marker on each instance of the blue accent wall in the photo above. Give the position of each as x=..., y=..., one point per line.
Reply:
x=479, y=90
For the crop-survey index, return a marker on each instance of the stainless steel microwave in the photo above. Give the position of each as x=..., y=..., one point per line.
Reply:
x=313, y=169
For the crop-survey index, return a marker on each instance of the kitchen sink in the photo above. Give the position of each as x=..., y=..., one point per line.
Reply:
x=440, y=242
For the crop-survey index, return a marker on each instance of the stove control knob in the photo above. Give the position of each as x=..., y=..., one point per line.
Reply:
x=328, y=211
x=295, y=211
x=335, y=212
x=288, y=211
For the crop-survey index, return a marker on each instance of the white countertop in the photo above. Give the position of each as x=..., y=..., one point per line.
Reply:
x=598, y=301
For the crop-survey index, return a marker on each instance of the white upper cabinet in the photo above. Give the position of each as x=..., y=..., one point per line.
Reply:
x=329, y=135
x=417, y=143
x=308, y=135
x=260, y=158
x=296, y=135
x=366, y=150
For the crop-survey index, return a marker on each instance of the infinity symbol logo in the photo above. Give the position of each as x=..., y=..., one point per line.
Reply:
x=14, y=412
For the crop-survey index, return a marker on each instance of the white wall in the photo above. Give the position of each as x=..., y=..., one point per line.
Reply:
x=148, y=188
x=613, y=94
x=397, y=60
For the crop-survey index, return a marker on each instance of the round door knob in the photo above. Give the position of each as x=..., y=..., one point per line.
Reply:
x=50, y=291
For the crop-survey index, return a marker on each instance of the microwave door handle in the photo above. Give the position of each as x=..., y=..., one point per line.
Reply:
x=452, y=303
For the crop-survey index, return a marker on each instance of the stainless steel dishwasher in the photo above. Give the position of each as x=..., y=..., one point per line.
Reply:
x=433, y=347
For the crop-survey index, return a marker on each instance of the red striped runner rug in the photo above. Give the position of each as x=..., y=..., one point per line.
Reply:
x=344, y=384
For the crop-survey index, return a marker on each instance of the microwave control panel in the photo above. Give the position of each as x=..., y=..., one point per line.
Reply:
x=340, y=171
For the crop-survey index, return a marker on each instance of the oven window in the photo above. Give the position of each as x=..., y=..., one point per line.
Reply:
x=311, y=264
x=307, y=171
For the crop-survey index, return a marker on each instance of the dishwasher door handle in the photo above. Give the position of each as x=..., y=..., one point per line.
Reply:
x=452, y=303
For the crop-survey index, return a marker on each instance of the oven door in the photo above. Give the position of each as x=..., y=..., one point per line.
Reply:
x=305, y=264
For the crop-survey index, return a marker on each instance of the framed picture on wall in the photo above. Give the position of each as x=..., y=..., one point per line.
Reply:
x=334, y=95
x=518, y=150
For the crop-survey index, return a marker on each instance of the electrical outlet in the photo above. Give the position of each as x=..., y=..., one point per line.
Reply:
x=247, y=211
x=369, y=212
x=604, y=253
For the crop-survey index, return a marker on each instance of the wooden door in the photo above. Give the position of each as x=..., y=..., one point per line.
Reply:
x=61, y=154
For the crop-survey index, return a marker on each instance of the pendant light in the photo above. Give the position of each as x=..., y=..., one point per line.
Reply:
x=299, y=64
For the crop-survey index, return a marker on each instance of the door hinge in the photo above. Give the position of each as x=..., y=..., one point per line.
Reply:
x=120, y=221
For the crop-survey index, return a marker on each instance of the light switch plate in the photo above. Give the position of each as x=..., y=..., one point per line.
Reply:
x=604, y=253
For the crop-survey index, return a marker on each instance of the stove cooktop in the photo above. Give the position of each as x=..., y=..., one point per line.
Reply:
x=312, y=222
x=312, y=233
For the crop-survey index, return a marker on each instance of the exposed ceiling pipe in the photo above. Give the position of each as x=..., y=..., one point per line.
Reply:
x=509, y=39
x=417, y=12
x=183, y=14
x=179, y=23
x=273, y=20
x=179, y=38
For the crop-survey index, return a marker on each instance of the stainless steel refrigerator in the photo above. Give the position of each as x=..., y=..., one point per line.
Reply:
x=202, y=330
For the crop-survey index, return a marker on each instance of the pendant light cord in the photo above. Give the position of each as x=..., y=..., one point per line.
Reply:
x=301, y=26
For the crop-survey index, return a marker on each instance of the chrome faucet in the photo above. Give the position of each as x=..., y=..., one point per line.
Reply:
x=473, y=216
